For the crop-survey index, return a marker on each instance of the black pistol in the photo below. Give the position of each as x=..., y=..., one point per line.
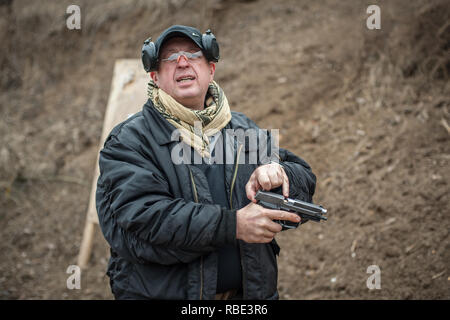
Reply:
x=306, y=210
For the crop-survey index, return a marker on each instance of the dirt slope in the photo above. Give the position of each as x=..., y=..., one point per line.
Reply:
x=368, y=109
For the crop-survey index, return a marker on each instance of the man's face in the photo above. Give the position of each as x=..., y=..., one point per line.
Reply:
x=185, y=80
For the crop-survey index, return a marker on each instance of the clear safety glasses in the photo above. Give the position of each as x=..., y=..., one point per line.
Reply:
x=174, y=57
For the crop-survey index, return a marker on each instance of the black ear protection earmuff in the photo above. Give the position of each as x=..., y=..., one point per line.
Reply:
x=208, y=44
x=149, y=55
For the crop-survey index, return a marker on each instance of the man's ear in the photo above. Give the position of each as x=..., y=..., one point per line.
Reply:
x=154, y=76
x=212, y=70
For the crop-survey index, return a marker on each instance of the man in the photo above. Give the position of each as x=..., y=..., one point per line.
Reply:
x=191, y=230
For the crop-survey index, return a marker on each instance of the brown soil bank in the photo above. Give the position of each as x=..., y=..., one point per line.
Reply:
x=368, y=109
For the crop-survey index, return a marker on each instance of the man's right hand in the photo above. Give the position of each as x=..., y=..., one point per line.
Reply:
x=254, y=223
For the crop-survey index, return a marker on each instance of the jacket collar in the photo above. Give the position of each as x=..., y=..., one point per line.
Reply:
x=160, y=128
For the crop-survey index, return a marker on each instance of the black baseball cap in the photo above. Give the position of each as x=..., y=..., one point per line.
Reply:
x=179, y=30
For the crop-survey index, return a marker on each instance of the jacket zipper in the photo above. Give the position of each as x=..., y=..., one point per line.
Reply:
x=231, y=206
x=244, y=280
x=234, y=176
x=194, y=189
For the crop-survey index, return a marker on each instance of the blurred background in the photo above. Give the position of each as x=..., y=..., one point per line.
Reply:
x=367, y=109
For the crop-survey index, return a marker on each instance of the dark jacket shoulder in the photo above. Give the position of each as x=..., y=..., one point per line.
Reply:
x=240, y=120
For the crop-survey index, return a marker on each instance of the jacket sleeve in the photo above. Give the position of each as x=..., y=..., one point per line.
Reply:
x=302, y=181
x=140, y=218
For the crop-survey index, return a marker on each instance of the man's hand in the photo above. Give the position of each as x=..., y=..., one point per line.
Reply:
x=254, y=223
x=267, y=177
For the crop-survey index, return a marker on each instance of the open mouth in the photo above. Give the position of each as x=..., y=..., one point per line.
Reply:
x=185, y=78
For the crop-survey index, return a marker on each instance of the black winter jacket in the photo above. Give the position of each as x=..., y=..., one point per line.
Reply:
x=161, y=224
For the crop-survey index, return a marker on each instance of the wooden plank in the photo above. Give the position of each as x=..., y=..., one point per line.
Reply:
x=127, y=96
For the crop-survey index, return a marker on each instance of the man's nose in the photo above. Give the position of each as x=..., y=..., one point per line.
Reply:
x=182, y=61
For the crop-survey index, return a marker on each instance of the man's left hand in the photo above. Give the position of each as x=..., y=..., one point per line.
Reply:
x=267, y=177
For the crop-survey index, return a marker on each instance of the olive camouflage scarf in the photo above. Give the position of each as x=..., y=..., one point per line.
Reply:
x=195, y=125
